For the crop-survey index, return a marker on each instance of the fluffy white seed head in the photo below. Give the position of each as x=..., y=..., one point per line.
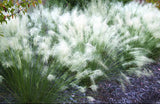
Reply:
x=90, y=98
x=51, y=77
x=94, y=87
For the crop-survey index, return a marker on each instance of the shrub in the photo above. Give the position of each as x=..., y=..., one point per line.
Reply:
x=10, y=8
x=67, y=3
x=157, y=2
x=74, y=3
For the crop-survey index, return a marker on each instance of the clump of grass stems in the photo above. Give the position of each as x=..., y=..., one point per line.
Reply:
x=27, y=76
x=30, y=82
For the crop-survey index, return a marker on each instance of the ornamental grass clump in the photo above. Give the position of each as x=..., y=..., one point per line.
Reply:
x=101, y=38
x=77, y=48
x=132, y=19
x=29, y=78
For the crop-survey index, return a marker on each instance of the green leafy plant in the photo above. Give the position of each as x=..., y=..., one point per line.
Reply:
x=10, y=8
x=157, y=2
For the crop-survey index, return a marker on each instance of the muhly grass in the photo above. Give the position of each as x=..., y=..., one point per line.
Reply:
x=138, y=20
x=34, y=81
x=29, y=78
x=47, y=51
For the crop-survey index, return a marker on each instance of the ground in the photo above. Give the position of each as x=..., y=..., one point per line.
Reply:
x=141, y=90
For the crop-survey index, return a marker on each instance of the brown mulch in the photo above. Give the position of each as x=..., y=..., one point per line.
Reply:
x=144, y=90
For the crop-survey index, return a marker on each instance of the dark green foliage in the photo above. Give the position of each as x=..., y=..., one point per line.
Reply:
x=67, y=3
x=124, y=1
x=73, y=3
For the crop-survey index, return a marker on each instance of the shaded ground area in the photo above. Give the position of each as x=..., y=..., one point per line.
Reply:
x=5, y=96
